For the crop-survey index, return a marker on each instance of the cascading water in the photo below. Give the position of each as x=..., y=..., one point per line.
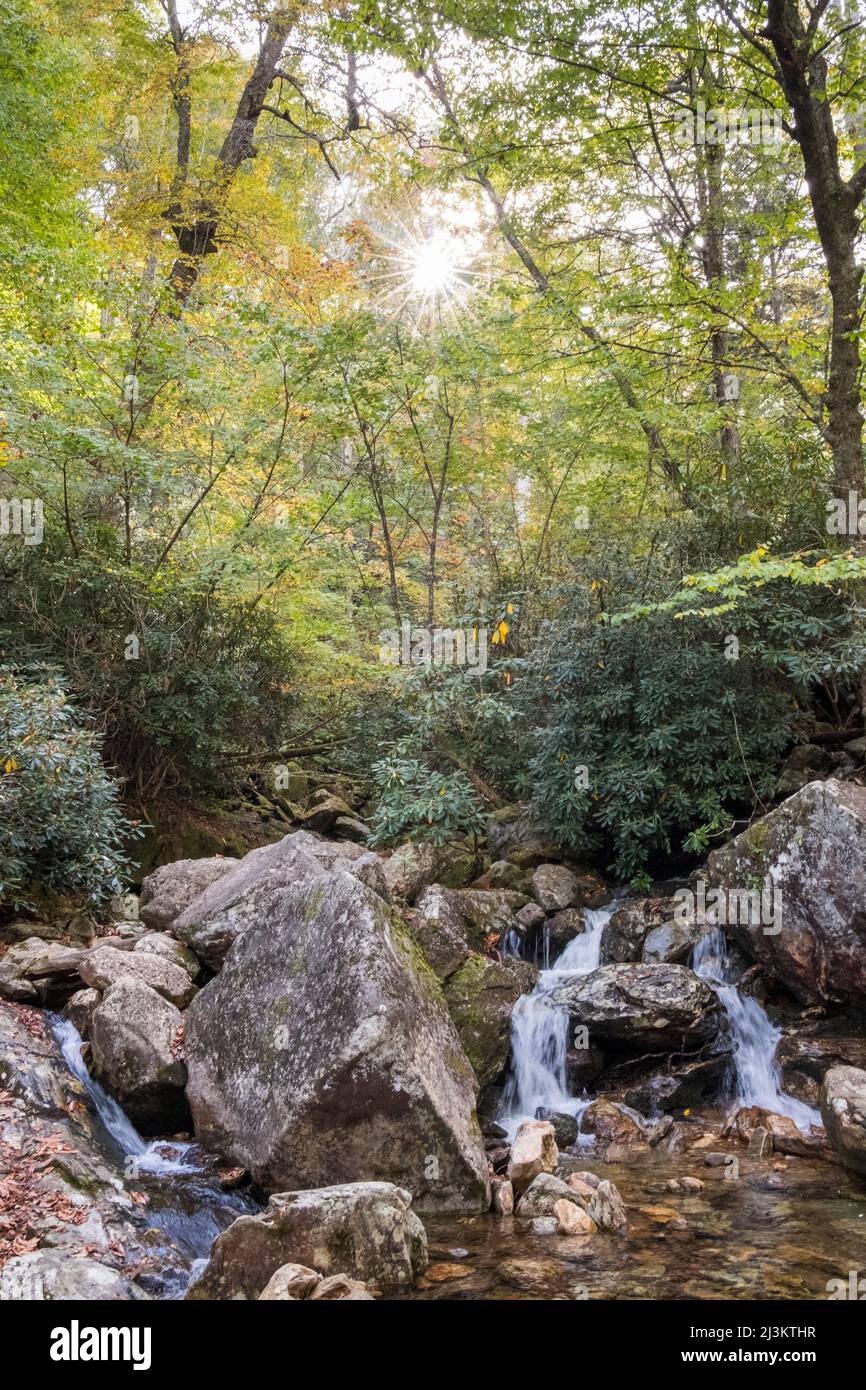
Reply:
x=539, y=1032
x=157, y=1157
x=755, y=1038
x=187, y=1204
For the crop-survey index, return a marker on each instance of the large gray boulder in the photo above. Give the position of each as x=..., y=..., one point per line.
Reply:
x=172, y=887
x=810, y=855
x=324, y=1052
x=843, y=1110
x=136, y=1036
x=224, y=911
x=105, y=965
x=366, y=1229
x=650, y=1008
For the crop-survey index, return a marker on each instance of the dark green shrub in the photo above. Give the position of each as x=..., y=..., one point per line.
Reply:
x=655, y=734
x=415, y=802
x=61, y=827
x=180, y=683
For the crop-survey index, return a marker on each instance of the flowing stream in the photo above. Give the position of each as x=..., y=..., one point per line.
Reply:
x=755, y=1037
x=187, y=1205
x=539, y=1035
x=188, y=1208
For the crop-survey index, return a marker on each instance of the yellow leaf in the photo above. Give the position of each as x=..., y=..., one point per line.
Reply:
x=509, y=608
x=10, y=765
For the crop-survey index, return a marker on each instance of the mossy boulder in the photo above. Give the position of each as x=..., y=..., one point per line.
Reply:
x=481, y=996
x=324, y=1053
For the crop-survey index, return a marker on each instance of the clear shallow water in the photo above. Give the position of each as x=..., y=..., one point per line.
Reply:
x=766, y=1235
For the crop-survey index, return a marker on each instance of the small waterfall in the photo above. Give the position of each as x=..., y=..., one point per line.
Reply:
x=187, y=1205
x=539, y=1032
x=160, y=1156
x=755, y=1038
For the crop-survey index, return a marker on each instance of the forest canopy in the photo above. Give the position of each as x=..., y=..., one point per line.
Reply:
x=536, y=323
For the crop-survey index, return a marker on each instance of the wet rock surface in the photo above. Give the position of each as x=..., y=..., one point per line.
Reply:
x=656, y=1008
x=843, y=1110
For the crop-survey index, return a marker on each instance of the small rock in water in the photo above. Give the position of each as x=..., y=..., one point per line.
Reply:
x=290, y=1282
x=230, y=1177
x=544, y=1226
x=661, y=1215
x=686, y=1184
x=340, y=1286
x=612, y=1123
x=607, y=1209
x=534, y=1151
x=716, y=1159
x=543, y=1193
x=658, y=1132
x=503, y=1196
x=572, y=1219
x=760, y=1142
x=583, y=1189
x=591, y=1179
x=440, y=1273
x=564, y=1126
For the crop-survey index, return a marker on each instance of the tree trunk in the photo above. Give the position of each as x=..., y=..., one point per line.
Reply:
x=801, y=71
